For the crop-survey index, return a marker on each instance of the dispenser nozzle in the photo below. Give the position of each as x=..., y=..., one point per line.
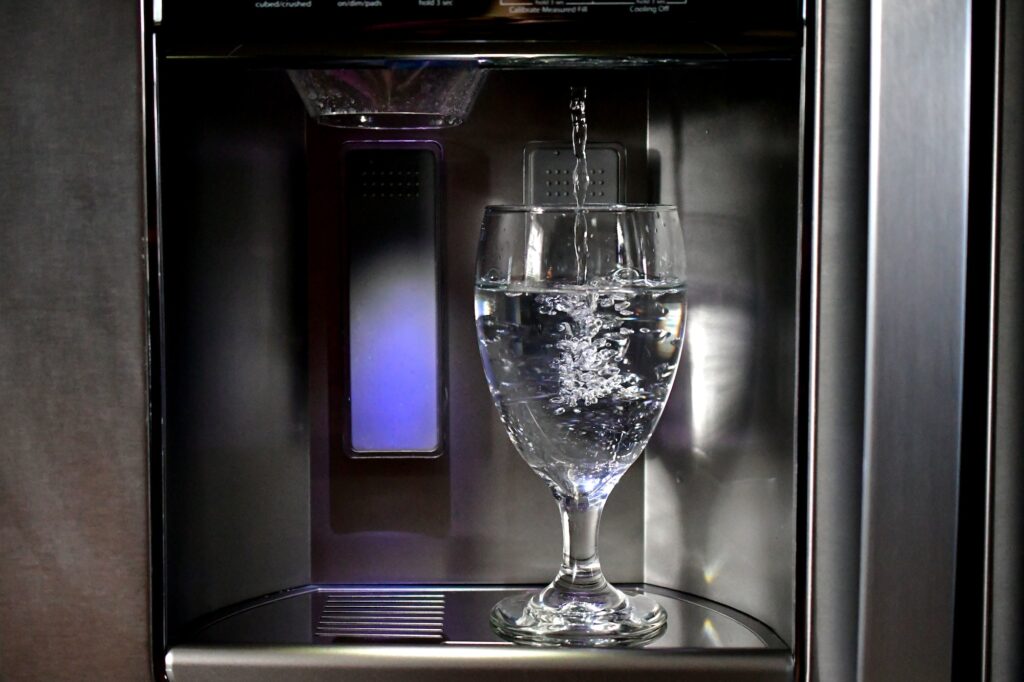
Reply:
x=401, y=96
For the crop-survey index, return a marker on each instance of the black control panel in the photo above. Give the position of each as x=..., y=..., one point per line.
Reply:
x=456, y=27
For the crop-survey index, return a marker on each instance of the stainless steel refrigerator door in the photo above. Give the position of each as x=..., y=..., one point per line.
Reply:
x=917, y=229
x=74, y=573
x=1006, y=660
x=911, y=492
x=839, y=134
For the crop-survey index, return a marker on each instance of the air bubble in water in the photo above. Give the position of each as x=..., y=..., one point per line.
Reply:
x=587, y=364
x=625, y=275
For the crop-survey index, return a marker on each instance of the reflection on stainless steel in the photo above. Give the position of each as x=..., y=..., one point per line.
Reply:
x=720, y=372
x=710, y=633
x=719, y=500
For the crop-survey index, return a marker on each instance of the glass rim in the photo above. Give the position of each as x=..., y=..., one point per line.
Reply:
x=586, y=208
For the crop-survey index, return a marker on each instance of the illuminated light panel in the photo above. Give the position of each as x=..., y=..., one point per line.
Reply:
x=393, y=355
x=391, y=225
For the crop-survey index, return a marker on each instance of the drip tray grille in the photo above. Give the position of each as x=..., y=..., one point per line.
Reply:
x=414, y=616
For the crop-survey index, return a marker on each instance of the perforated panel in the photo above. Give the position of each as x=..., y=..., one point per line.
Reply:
x=549, y=170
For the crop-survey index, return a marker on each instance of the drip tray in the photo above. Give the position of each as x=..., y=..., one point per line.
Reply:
x=442, y=633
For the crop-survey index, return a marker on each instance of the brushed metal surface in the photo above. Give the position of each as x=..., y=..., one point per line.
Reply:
x=399, y=663
x=719, y=489
x=237, y=438
x=839, y=401
x=1007, y=603
x=916, y=273
x=74, y=589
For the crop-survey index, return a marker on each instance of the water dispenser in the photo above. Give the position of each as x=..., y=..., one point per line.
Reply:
x=340, y=497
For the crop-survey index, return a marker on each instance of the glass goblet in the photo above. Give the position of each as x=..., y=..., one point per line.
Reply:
x=580, y=315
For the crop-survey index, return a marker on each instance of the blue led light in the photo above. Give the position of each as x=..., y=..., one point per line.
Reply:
x=393, y=354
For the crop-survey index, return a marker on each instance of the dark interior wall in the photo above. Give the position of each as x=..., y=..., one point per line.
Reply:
x=73, y=502
x=233, y=262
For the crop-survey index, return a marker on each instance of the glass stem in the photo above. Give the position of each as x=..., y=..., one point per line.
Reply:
x=581, y=568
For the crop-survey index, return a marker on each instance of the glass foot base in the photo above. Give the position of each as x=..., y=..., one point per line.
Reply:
x=626, y=621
